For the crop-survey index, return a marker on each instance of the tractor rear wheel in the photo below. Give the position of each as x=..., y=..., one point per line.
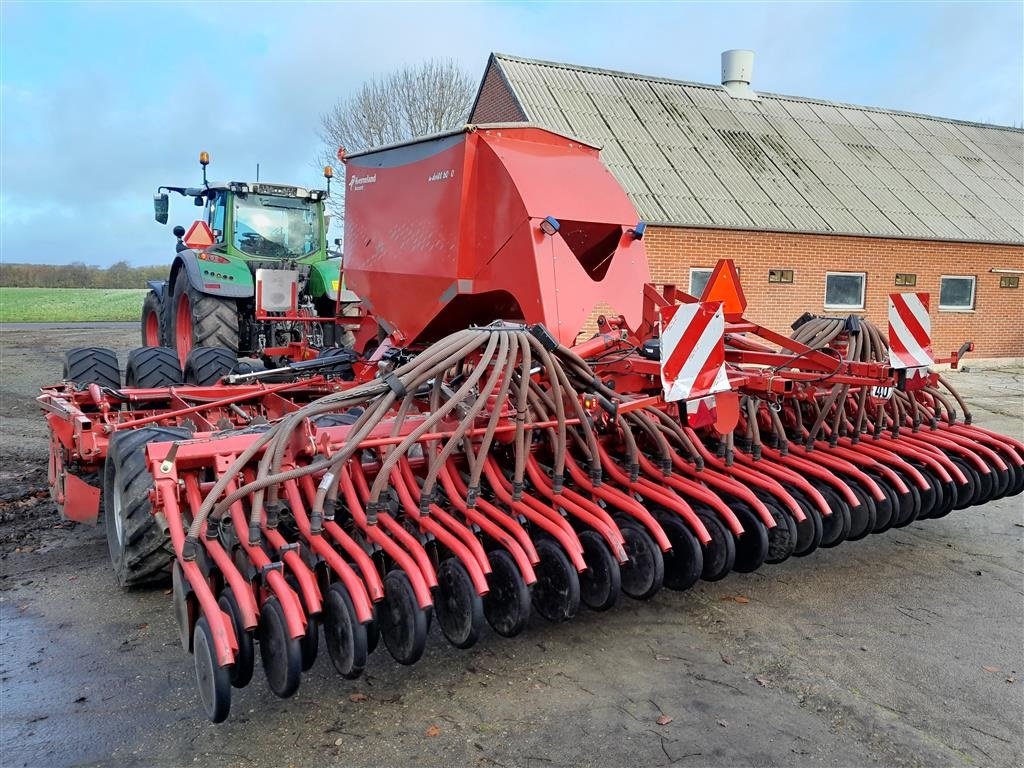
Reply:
x=140, y=551
x=152, y=367
x=92, y=365
x=154, y=326
x=201, y=320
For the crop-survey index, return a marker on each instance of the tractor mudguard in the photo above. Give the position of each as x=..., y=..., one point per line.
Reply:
x=231, y=280
x=325, y=278
x=159, y=287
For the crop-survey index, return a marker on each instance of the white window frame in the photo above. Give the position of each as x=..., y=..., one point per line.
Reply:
x=689, y=287
x=863, y=290
x=974, y=293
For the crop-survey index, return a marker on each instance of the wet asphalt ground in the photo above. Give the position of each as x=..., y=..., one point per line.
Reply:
x=906, y=648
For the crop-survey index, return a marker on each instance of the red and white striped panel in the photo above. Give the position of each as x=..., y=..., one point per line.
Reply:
x=693, y=351
x=910, y=330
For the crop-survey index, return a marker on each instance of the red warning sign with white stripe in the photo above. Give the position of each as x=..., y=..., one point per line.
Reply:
x=693, y=350
x=910, y=331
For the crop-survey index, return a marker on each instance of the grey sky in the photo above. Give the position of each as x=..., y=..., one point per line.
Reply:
x=102, y=103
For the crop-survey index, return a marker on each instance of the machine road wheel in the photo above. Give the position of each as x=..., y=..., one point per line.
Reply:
x=201, y=320
x=140, y=551
x=92, y=365
x=206, y=366
x=152, y=368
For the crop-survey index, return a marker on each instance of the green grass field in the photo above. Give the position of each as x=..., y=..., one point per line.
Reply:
x=57, y=305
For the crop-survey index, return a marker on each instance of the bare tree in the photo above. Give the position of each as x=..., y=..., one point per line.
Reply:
x=416, y=100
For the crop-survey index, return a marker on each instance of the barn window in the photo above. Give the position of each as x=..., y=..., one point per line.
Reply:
x=844, y=290
x=956, y=292
x=699, y=277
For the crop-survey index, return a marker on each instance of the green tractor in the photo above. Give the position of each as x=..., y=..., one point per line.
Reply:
x=252, y=275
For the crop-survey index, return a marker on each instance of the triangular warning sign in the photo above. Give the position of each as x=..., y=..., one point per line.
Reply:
x=724, y=286
x=199, y=235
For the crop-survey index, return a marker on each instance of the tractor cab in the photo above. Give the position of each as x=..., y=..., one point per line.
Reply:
x=258, y=221
x=252, y=274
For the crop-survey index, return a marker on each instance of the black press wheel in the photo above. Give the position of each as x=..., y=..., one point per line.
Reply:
x=887, y=510
x=719, y=554
x=403, y=624
x=458, y=607
x=344, y=636
x=863, y=517
x=152, y=367
x=644, y=574
x=309, y=643
x=836, y=526
x=507, y=603
x=140, y=551
x=214, y=681
x=810, y=531
x=601, y=583
x=92, y=365
x=783, y=537
x=752, y=544
x=245, y=658
x=685, y=563
x=556, y=595
x=280, y=654
x=968, y=491
x=206, y=366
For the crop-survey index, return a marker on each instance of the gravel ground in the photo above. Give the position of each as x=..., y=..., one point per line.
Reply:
x=902, y=649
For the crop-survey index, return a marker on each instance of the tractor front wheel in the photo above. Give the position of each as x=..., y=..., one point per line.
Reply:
x=201, y=320
x=154, y=326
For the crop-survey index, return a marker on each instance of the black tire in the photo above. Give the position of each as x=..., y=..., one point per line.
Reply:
x=342, y=368
x=140, y=552
x=864, y=517
x=92, y=365
x=344, y=636
x=280, y=654
x=601, y=583
x=206, y=366
x=214, y=681
x=556, y=593
x=154, y=322
x=835, y=527
x=152, y=368
x=752, y=544
x=644, y=574
x=719, y=555
x=457, y=606
x=685, y=563
x=809, y=532
x=310, y=642
x=403, y=624
x=783, y=537
x=245, y=657
x=214, y=320
x=507, y=604
x=966, y=493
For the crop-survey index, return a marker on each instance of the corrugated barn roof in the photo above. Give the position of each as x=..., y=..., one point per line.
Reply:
x=690, y=154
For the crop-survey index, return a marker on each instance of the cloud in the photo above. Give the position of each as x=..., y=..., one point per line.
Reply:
x=103, y=103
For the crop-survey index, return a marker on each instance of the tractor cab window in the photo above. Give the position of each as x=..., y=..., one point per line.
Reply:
x=215, y=212
x=273, y=227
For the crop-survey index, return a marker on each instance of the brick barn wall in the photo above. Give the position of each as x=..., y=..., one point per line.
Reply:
x=996, y=325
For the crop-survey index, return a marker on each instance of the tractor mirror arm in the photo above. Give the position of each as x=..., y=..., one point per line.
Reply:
x=183, y=191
